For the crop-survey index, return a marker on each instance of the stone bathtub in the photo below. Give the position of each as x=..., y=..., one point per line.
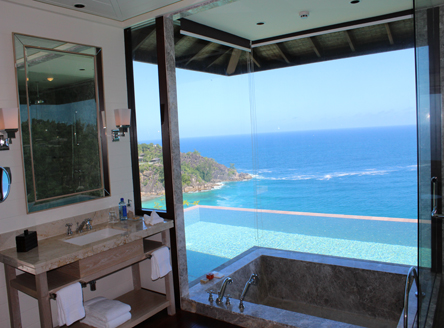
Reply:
x=305, y=291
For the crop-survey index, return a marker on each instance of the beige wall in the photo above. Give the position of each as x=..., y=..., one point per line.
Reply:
x=13, y=216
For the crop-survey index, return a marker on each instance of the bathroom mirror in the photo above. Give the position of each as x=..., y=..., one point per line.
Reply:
x=5, y=183
x=62, y=122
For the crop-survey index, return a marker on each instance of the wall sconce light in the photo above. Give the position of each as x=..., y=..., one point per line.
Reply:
x=123, y=120
x=8, y=126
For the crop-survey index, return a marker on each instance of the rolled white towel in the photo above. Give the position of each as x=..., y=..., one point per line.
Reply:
x=70, y=304
x=112, y=324
x=104, y=309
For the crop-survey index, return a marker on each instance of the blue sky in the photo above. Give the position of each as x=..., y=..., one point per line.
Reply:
x=364, y=91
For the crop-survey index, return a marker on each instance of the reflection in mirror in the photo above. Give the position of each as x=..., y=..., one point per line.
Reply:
x=64, y=146
x=5, y=183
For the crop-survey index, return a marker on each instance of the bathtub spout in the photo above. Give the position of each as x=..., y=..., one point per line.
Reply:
x=221, y=292
x=252, y=281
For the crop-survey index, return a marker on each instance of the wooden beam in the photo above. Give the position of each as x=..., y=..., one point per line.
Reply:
x=315, y=48
x=225, y=52
x=149, y=37
x=389, y=33
x=281, y=53
x=202, y=53
x=184, y=44
x=254, y=60
x=234, y=60
x=349, y=40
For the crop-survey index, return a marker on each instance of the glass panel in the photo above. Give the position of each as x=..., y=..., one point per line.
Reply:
x=429, y=151
x=149, y=136
x=216, y=153
x=339, y=160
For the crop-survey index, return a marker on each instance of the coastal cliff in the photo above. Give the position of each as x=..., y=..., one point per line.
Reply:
x=198, y=173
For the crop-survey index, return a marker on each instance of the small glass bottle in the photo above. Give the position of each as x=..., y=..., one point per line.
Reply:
x=122, y=210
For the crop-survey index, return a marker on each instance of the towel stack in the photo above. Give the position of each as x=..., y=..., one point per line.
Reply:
x=104, y=313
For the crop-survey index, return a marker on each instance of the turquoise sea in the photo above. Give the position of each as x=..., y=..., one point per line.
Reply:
x=367, y=171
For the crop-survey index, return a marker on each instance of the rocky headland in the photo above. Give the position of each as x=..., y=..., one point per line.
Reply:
x=198, y=173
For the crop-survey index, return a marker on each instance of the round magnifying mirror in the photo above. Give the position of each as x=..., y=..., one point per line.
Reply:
x=5, y=184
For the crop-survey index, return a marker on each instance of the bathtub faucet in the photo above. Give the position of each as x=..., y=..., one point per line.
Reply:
x=252, y=281
x=221, y=292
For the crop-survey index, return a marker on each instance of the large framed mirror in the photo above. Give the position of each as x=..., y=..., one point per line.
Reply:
x=62, y=122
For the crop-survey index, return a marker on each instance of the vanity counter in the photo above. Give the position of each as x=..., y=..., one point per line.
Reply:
x=56, y=263
x=54, y=252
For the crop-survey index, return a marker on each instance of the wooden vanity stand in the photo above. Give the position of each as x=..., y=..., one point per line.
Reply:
x=41, y=285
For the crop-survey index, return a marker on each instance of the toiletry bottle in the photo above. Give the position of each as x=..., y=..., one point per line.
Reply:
x=122, y=210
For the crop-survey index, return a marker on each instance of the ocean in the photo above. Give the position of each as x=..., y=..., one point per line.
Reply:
x=365, y=171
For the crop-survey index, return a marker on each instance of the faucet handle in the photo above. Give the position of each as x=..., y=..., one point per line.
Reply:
x=210, y=298
x=241, y=306
x=228, y=300
x=69, y=232
x=88, y=224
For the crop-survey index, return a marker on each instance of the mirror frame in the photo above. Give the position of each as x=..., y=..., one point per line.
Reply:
x=27, y=41
x=5, y=171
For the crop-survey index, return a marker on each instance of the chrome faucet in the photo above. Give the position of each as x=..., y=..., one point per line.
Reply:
x=254, y=279
x=221, y=292
x=87, y=223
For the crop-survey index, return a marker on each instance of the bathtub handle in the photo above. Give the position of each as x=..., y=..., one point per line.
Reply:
x=412, y=277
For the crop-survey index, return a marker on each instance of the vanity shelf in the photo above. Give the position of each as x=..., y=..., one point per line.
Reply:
x=144, y=304
x=56, y=280
x=150, y=246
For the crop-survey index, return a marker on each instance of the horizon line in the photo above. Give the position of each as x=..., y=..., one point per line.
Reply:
x=274, y=132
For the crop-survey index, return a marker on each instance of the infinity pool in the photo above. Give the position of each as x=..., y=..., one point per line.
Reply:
x=215, y=235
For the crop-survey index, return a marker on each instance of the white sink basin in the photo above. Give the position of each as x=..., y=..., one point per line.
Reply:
x=93, y=236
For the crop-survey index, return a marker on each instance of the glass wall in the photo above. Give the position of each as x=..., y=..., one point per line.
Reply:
x=216, y=152
x=428, y=66
x=149, y=138
x=337, y=153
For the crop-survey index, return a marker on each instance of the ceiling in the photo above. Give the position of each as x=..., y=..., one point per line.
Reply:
x=119, y=10
x=240, y=17
x=212, y=56
x=282, y=16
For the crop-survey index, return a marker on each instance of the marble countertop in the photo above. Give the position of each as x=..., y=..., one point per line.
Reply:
x=54, y=252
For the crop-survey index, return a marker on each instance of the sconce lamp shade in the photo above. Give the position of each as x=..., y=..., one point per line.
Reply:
x=122, y=117
x=9, y=119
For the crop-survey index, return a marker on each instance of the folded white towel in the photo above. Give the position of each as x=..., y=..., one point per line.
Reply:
x=70, y=304
x=160, y=263
x=105, y=310
x=153, y=219
x=94, y=300
x=217, y=274
x=112, y=324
